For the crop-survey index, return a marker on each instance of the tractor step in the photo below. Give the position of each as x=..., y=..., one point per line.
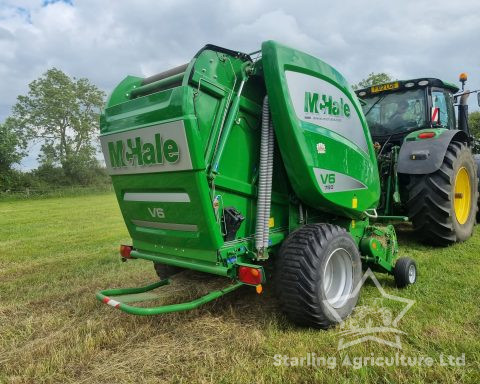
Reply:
x=121, y=298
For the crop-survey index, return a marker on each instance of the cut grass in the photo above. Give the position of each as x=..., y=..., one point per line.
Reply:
x=56, y=253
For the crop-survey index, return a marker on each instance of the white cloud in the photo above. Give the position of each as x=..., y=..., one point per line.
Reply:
x=275, y=25
x=106, y=40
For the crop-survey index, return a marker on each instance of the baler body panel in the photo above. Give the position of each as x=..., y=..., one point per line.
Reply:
x=206, y=182
x=321, y=131
x=154, y=153
x=158, y=149
x=159, y=146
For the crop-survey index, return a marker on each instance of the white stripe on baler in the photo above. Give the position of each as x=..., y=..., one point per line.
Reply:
x=171, y=226
x=156, y=197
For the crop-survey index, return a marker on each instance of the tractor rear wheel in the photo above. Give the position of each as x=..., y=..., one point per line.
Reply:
x=442, y=205
x=317, y=273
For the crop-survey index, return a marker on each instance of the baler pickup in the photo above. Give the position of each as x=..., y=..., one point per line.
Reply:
x=119, y=297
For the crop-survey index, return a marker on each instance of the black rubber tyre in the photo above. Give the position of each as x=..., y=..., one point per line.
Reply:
x=431, y=199
x=301, y=270
x=164, y=271
x=477, y=163
x=405, y=272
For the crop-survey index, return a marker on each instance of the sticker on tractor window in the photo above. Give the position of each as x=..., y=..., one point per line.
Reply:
x=159, y=148
x=319, y=102
x=330, y=181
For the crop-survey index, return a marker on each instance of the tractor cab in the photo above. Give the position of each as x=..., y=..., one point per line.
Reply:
x=396, y=109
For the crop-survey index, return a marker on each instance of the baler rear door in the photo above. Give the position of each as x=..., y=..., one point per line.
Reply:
x=321, y=131
x=153, y=154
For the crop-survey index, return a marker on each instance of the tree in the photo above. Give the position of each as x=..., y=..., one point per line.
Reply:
x=13, y=143
x=63, y=113
x=474, y=124
x=373, y=79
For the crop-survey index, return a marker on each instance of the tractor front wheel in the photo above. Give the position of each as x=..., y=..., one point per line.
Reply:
x=317, y=273
x=442, y=205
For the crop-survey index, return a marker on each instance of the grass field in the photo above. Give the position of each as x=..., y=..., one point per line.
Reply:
x=55, y=253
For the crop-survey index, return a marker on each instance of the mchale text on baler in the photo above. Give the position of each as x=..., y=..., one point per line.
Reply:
x=228, y=163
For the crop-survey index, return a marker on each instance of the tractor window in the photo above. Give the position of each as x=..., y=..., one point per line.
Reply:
x=451, y=110
x=396, y=112
x=440, y=100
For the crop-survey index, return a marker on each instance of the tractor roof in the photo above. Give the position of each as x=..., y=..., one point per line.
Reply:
x=400, y=85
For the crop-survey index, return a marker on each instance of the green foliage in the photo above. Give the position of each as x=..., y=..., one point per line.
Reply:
x=373, y=79
x=49, y=176
x=474, y=124
x=12, y=179
x=76, y=172
x=64, y=114
x=12, y=144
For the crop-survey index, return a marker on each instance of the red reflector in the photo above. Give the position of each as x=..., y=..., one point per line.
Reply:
x=250, y=275
x=125, y=251
x=426, y=135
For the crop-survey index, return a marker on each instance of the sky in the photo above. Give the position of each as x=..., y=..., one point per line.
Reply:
x=106, y=40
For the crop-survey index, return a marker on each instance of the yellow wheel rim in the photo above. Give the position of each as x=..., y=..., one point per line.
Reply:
x=462, y=195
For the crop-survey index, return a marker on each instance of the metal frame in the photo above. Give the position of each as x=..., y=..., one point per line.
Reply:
x=113, y=298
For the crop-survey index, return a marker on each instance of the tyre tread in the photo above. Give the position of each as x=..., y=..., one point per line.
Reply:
x=296, y=271
x=428, y=204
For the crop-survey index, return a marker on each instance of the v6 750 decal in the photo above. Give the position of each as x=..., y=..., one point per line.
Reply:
x=330, y=181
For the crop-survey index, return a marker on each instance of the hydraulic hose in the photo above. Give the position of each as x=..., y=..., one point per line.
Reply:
x=268, y=191
x=262, y=177
x=267, y=142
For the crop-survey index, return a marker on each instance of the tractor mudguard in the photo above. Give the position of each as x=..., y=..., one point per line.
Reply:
x=425, y=156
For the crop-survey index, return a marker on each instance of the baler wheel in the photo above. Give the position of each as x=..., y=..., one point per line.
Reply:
x=442, y=205
x=405, y=272
x=317, y=274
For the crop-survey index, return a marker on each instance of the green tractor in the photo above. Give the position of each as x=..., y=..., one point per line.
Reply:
x=256, y=168
x=424, y=154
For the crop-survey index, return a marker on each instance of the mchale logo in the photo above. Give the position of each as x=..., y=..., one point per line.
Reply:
x=326, y=105
x=136, y=153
